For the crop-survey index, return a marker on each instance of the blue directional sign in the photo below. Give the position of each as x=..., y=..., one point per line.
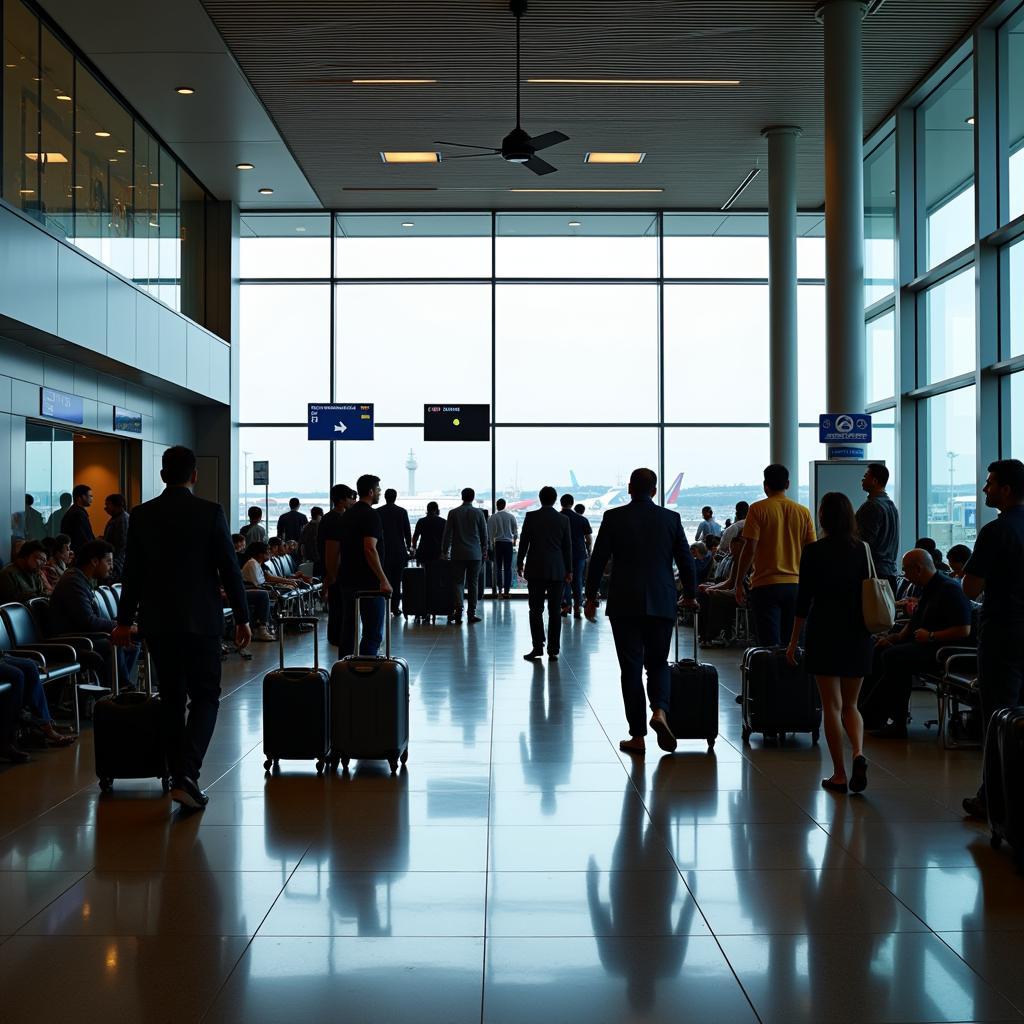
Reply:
x=342, y=421
x=848, y=428
x=57, y=405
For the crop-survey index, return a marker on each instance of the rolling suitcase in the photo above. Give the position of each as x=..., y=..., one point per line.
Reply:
x=128, y=733
x=776, y=697
x=370, y=703
x=693, y=701
x=423, y=594
x=296, y=708
x=1004, y=767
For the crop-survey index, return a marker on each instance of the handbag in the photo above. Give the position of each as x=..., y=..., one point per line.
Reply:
x=877, y=601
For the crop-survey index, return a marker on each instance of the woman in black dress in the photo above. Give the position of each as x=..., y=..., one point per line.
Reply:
x=838, y=644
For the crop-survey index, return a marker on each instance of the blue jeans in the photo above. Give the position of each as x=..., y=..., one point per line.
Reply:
x=774, y=608
x=574, y=589
x=371, y=615
x=26, y=672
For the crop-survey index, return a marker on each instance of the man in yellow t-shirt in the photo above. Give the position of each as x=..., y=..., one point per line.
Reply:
x=775, y=533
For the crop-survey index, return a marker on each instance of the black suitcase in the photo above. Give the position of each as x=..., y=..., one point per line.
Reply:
x=693, y=701
x=1004, y=769
x=778, y=698
x=128, y=733
x=423, y=591
x=370, y=704
x=296, y=707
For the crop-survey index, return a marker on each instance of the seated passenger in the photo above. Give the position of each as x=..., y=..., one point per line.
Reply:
x=27, y=687
x=703, y=561
x=942, y=617
x=258, y=597
x=254, y=532
x=22, y=579
x=277, y=548
x=58, y=550
x=927, y=544
x=714, y=545
x=239, y=541
x=75, y=611
x=958, y=556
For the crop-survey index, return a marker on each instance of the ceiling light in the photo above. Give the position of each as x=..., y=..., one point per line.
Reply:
x=408, y=224
x=77, y=187
x=266, y=191
x=154, y=224
x=394, y=81
x=48, y=158
x=122, y=151
x=102, y=135
x=154, y=184
x=575, y=224
x=112, y=160
x=391, y=156
x=633, y=81
x=63, y=97
x=185, y=90
x=743, y=186
x=591, y=191
x=245, y=167
x=26, y=191
x=969, y=120
x=614, y=158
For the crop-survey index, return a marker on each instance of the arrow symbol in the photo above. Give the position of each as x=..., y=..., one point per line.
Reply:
x=340, y=428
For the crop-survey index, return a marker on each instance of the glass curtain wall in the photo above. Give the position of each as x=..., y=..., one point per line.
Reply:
x=77, y=160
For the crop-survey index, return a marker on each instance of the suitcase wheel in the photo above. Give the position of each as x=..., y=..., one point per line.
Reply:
x=394, y=765
x=746, y=735
x=405, y=756
x=995, y=842
x=319, y=767
x=711, y=742
x=106, y=785
x=344, y=763
x=815, y=736
x=267, y=764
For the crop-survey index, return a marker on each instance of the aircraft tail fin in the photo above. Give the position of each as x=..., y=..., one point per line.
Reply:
x=673, y=495
x=572, y=479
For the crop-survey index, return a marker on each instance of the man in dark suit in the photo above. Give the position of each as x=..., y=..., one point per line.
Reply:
x=643, y=540
x=177, y=594
x=397, y=544
x=545, y=549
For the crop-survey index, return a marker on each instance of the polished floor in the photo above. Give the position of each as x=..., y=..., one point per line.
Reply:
x=519, y=870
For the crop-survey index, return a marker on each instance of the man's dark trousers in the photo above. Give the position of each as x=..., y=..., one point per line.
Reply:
x=465, y=581
x=188, y=667
x=899, y=666
x=1000, y=671
x=503, y=550
x=774, y=608
x=393, y=571
x=372, y=611
x=547, y=592
x=643, y=643
x=574, y=589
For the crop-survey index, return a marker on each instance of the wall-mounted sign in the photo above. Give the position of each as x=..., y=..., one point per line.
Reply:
x=844, y=428
x=261, y=473
x=456, y=423
x=57, y=405
x=341, y=421
x=126, y=421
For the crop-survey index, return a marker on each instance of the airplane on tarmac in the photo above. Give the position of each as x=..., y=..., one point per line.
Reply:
x=596, y=499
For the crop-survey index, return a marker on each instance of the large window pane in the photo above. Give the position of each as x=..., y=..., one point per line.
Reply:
x=420, y=471
x=413, y=245
x=21, y=107
x=810, y=352
x=883, y=447
x=577, y=353
x=947, y=137
x=950, y=466
x=1013, y=298
x=1015, y=387
x=169, y=244
x=193, y=246
x=716, y=333
x=146, y=221
x=949, y=349
x=57, y=72
x=284, y=351
x=1012, y=85
x=298, y=469
x=285, y=245
x=577, y=245
x=880, y=222
x=402, y=346
x=880, y=335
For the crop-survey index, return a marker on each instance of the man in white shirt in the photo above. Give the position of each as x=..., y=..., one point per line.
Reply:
x=734, y=531
x=502, y=534
x=709, y=526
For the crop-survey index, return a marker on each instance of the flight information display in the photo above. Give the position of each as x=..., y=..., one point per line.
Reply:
x=456, y=423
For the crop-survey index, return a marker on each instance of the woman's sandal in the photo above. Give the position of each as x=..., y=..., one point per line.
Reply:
x=833, y=787
x=58, y=739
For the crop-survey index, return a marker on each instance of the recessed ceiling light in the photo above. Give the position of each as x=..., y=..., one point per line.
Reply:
x=245, y=167
x=590, y=191
x=392, y=156
x=154, y=224
x=154, y=184
x=394, y=81
x=102, y=135
x=969, y=120
x=185, y=90
x=266, y=191
x=408, y=224
x=575, y=224
x=26, y=191
x=11, y=65
x=122, y=151
x=112, y=160
x=63, y=97
x=48, y=158
x=633, y=81
x=77, y=187
x=614, y=158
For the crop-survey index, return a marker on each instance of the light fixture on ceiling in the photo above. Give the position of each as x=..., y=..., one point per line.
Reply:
x=743, y=186
x=185, y=90
x=245, y=167
x=408, y=224
x=154, y=224
x=634, y=81
x=122, y=151
x=77, y=188
x=394, y=156
x=614, y=158
x=969, y=120
x=102, y=135
x=392, y=81
x=266, y=191
x=575, y=224
x=154, y=184
x=112, y=160
x=26, y=191
x=47, y=158
x=63, y=97
x=591, y=191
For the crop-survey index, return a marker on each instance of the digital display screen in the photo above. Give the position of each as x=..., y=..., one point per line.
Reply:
x=456, y=423
x=126, y=421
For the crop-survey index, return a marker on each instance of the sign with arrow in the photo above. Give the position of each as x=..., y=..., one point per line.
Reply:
x=343, y=421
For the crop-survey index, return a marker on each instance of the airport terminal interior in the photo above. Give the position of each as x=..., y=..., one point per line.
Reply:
x=507, y=246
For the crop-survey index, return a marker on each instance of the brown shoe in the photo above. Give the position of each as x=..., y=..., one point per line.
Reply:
x=634, y=745
x=666, y=738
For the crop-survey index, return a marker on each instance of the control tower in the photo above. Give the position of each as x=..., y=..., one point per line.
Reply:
x=411, y=465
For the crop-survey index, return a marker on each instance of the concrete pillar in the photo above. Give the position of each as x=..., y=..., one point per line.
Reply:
x=782, y=296
x=846, y=385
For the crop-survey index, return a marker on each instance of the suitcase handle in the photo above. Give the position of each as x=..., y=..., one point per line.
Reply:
x=368, y=594
x=314, y=621
x=696, y=650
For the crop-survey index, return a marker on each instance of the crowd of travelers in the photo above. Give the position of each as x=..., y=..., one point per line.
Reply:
x=766, y=576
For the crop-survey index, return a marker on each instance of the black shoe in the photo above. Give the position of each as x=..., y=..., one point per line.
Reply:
x=533, y=655
x=475, y=618
x=975, y=807
x=185, y=792
x=833, y=787
x=859, y=777
x=13, y=755
x=552, y=655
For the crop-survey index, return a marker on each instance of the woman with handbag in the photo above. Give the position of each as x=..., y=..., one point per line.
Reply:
x=831, y=600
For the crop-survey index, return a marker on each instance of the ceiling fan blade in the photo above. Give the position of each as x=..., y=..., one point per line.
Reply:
x=539, y=166
x=472, y=156
x=466, y=145
x=548, y=139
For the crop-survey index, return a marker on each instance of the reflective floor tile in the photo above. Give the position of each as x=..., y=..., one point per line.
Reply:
x=845, y=899
x=114, y=979
x=836, y=978
x=583, y=777
x=412, y=848
x=380, y=903
x=23, y=894
x=881, y=845
x=609, y=980
x=754, y=846
x=586, y=752
x=372, y=981
x=996, y=956
x=173, y=903
x=889, y=805
x=963, y=899
x=632, y=846
x=726, y=806
x=619, y=904
x=549, y=806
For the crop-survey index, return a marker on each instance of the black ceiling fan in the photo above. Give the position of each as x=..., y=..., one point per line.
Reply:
x=517, y=147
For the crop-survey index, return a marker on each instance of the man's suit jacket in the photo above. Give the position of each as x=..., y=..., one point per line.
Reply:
x=176, y=586
x=643, y=540
x=397, y=533
x=465, y=534
x=545, y=545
